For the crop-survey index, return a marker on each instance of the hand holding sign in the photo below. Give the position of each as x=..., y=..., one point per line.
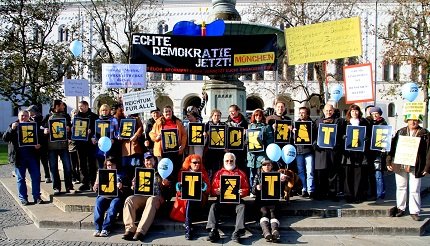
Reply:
x=165, y=167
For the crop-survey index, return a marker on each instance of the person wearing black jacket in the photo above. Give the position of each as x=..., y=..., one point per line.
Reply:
x=86, y=149
x=23, y=158
x=36, y=116
x=155, y=114
x=236, y=119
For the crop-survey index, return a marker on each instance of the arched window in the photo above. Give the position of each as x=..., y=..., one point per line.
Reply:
x=162, y=27
x=391, y=110
x=63, y=33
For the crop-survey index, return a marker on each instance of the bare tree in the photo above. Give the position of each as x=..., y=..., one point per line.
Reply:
x=293, y=13
x=407, y=42
x=32, y=67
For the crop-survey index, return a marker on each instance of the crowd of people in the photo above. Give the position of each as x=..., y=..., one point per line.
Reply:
x=324, y=173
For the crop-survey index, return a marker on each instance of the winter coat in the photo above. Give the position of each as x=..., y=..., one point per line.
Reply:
x=357, y=158
x=244, y=184
x=422, y=163
x=156, y=130
x=254, y=158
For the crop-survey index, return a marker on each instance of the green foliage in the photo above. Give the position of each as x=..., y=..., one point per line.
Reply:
x=32, y=67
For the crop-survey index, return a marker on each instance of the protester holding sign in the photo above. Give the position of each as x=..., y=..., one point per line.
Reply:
x=147, y=204
x=236, y=119
x=109, y=130
x=258, y=121
x=166, y=122
x=23, y=158
x=87, y=150
x=155, y=114
x=194, y=117
x=376, y=159
x=328, y=160
x=211, y=156
x=355, y=162
x=109, y=205
x=36, y=116
x=305, y=158
x=131, y=149
x=58, y=127
x=408, y=175
x=268, y=208
x=193, y=163
x=228, y=190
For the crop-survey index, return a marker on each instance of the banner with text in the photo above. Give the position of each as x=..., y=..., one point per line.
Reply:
x=358, y=82
x=407, y=150
x=123, y=75
x=205, y=54
x=139, y=101
x=76, y=88
x=323, y=41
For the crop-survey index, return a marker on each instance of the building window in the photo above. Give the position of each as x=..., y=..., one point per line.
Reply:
x=199, y=77
x=291, y=73
x=396, y=72
x=162, y=27
x=391, y=110
x=187, y=76
x=169, y=76
x=392, y=30
x=155, y=76
x=63, y=34
x=386, y=71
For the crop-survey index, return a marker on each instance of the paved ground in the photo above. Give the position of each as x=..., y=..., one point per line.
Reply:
x=18, y=229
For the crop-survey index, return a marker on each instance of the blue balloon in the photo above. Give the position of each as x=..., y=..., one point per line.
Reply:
x=76, y=47
x=273, y=151
x=288, y=153
x=410, y=91
x=104, y=144
x=165, y=167
x=336, y=92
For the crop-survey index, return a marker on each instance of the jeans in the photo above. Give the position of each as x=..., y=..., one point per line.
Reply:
x=32, y=164
x=67, y=168
x=109, y=205
x=305, y=169
x=380, y=184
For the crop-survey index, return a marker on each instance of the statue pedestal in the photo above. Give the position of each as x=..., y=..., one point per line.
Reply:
x=222, y=94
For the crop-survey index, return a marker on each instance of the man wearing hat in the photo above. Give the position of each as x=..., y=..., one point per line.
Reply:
x=410, y=175
x=155, y=114
x=147, y=204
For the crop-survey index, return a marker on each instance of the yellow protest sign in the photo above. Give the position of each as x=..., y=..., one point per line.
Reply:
x=407, y=150
x=414, y=108
x=323, y=41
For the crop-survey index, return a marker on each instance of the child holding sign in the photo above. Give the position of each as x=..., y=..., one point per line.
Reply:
x=109, y=205
x=268, y=222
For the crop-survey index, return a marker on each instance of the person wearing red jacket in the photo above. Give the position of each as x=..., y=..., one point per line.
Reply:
x=229, y=168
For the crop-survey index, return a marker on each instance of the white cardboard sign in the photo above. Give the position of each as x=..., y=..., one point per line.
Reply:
x=123, y=75
x=138, y=102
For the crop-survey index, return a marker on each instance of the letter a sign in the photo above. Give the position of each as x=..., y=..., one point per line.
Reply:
x=270, y=186
x=191, y=186
x=108, y=183
x=303, y=134
x=144, y=181
x=230, y=185
x=327, y=135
